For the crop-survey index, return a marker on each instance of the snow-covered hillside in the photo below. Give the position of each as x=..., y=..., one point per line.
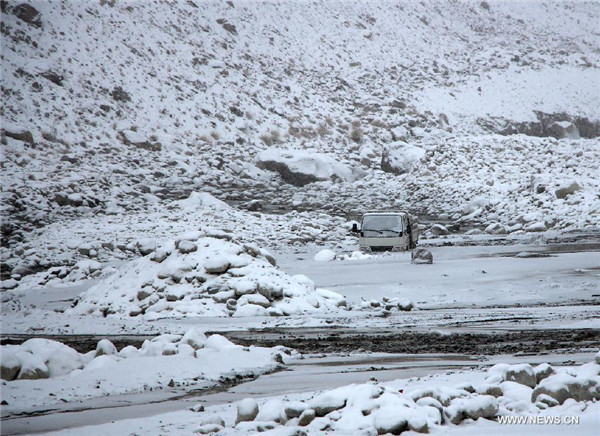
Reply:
x=118, y=108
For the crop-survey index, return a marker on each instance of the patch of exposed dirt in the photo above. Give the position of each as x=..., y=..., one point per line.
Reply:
x=411, y=342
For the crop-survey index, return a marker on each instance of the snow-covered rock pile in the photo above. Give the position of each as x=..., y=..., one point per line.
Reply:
x=199, y=275
x=547, y=386
x=375, y=408
x=40, y=358
x=40, y=369
x=102, y=238
x=386, y=305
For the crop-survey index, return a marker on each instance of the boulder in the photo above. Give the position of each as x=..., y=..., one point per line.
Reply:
x=327, y=403
x=146, y=246
x=301, y=167
x=20, y=135
x=399, y=158
x=306, y=417
x=295, y=408
x=10, y=366
x=542, y=371
x=186, y=247
x=421, y=256
x=563, y=130
x=439, y=230
x=28, y=14
x=539, y=226
x=522, y=374
x=194, y=338
x=480, y=406
x=567, y=189
x=247, y=409
x=32, y=367
x=495, y=229
x=105, y=347
x=391, y=420
x=217, y=265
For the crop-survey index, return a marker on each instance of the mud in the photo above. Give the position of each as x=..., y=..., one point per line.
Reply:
x=412, y=342
x=334, y=340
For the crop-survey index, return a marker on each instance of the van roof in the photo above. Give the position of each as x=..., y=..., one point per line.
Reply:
x=384, y=212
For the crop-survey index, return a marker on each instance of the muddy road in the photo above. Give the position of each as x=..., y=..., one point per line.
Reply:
x=414, y=342
x=342, y=340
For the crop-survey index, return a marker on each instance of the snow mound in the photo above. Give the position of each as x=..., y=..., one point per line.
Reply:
x=198, y=275
x=301, y=167
x=201, y=200
x=167, y=360
x=325, y=255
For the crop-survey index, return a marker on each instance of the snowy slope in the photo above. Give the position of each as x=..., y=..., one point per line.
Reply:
x=118, y=108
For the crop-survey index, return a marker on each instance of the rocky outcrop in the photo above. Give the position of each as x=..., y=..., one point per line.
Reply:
x=559, y=126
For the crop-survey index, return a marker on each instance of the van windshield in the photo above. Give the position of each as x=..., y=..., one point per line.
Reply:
x=381, y=226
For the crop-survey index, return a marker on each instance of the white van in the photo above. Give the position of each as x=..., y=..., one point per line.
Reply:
x=386, y=231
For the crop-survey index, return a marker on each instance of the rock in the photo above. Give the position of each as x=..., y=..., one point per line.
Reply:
x=32, y=368
x=421, y=256
x=418, y=424
x=28, y=14
x=439, y=230
x=21, y=135
x=558, y=392
x=105, y=347
x=493, y=390
x=399, y=158
x=563, y=130
x=387, y=421
x=159, y=255
x=142, y=295
x=119, y=94
x=217, y=265
x=564, y=386
x=257, y=299
x=186, y=247
x=209, y=429
x=542, y=371
x=405, y=304
x=55, y=78
x=325, y=256
x=295, y=408
x=299, y=167
x=146, y=246
x=480, y=406
x=136, y=139
x=522, y=374
x=597, y=358
x=254, y=205
x=547, y=400
x=247, y=409
x=8, y=284
x=567, y=189
x=306, y=417
x=216, y=420
x=539, y=226
x=327, y=403
x=431, y=402
x=10, y=366
x=194, y=338
x=495, y=229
